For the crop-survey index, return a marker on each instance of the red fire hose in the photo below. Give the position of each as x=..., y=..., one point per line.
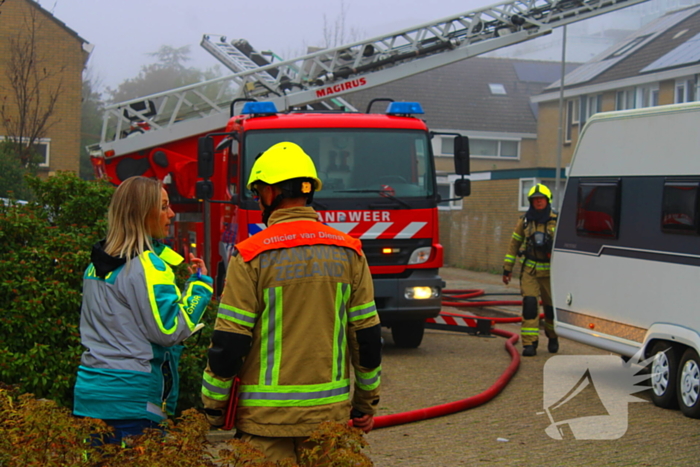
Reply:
x=383, y=421
x=464, y=404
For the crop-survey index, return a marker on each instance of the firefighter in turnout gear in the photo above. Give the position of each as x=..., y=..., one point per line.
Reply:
x=533, y=240
x=296, y=316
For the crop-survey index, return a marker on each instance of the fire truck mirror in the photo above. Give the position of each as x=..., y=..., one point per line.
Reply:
x=463, y=187
x=205, y=157
x=461, y=152
x=204, y=189
x=225, y=143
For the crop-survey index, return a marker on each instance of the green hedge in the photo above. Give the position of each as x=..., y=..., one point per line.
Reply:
x=45, y=249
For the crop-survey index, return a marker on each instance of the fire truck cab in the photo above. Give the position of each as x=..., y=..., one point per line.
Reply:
x=378, y=186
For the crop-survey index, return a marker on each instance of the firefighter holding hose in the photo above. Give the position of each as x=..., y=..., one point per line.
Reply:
x=532, y=240
x=296, y=315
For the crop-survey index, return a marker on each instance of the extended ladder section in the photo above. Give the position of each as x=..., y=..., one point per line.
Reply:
x=238, y=56
x=329, y=73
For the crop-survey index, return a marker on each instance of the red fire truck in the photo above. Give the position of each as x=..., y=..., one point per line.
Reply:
x=377, y=169
x=378, y=185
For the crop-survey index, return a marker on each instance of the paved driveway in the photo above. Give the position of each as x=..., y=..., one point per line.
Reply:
x=510, y=429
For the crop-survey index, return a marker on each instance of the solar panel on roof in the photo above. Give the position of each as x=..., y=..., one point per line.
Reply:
x=540, y=72
x=613, y=55
x=685, y=54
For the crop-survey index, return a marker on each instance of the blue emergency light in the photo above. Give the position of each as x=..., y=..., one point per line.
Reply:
x=258, y=108
x=404, y=108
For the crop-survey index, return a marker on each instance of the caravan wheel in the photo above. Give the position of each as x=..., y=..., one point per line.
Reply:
x=689, y=384
x=664, y=371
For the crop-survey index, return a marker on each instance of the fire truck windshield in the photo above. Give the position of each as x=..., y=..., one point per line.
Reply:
x=357, y=163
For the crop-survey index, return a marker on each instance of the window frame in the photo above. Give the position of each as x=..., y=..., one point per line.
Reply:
x=499, y=149
x=498, y=89
x=576, y=117
x=653, y=95
x=598, y=100
x=571, y=120
x=617, y=183
x=448, y=180
x=524, y=204
x=39, y=142
x=693, y=229
x=689, y=86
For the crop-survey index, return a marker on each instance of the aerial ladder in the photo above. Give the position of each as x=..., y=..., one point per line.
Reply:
x=323, y=76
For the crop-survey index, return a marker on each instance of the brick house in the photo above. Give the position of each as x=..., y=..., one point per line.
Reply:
x=658, y=64
x=487, y=99
x=510, y=110
x=60, y=52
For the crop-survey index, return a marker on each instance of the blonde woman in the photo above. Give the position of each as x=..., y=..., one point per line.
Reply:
x=133, y=317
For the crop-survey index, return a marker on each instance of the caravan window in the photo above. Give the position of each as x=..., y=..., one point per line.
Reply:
x=598, y=210
x=680, y=206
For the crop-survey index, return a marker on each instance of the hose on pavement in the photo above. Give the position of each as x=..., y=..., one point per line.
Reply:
x=459, y=299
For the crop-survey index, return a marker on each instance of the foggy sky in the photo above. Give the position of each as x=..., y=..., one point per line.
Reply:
x=124, y=31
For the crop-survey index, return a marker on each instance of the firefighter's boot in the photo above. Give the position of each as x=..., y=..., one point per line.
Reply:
x=553, y=345
x=530, y=326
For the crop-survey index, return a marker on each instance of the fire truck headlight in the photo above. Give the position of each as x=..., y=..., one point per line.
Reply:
x=421, y=293
x=420, y=255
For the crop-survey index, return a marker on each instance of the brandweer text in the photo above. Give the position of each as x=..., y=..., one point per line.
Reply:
x=354, y=216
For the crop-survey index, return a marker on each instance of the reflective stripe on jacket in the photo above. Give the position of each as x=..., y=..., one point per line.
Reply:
x=132, y=322
x=302, y=298
x=518, y=242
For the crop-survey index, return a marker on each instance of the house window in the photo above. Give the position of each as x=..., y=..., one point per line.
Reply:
x=42, y=148
x=526, y=185
x=680, y=206
x=637, y=98
x=589, y=105
x=648, y=96
x=447, y=146
x=686, y=90
x=497, y=89
x=598, y=211
x=625, y=99
x=570, y=116
x=483, y=147
x=445, y=187
x=575, y=115
x=594, y=104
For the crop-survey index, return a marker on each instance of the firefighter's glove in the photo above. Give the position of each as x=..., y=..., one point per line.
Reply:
x=215, y=417
x=507, y=276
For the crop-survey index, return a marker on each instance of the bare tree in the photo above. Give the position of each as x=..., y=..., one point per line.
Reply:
x=337, y=33
x=27, y=105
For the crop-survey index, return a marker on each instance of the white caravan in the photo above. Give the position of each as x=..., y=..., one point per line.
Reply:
x=626, y=260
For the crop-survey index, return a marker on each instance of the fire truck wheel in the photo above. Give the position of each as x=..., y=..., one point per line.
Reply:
x=664, y=375
x=689, y=384
x=408, y=334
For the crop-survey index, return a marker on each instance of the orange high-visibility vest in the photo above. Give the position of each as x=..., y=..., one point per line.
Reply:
x=293, y=234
